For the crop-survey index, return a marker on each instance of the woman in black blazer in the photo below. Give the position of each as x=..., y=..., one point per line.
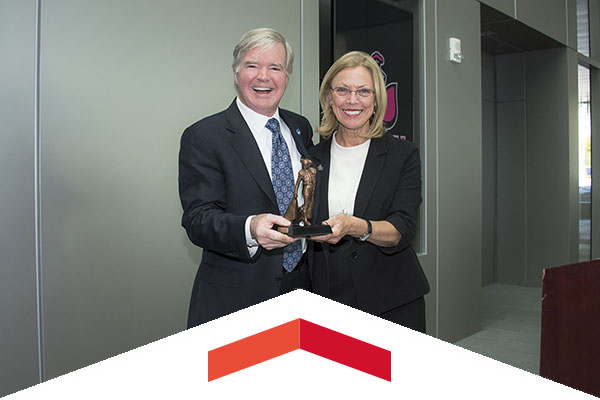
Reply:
x=369, y=191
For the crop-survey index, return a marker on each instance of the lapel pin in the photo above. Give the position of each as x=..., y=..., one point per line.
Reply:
x=298, y=131
x=320, y=167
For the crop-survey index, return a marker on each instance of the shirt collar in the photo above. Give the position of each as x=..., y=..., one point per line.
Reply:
x=256, y=122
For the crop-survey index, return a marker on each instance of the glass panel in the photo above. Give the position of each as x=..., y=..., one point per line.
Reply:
x=368, y=26
x=583, y=27
x=585, y=164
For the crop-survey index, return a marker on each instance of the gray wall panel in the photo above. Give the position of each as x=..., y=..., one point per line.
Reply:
x=489, y=172
x=459, y=170
x=488, y=238
x=427, y=142
x=546, y=16
x=506, y=6
x=18, y=327
x=120, y=82
x=548, y=162
x=511, y=236
x=510, y=77
x=488, y=77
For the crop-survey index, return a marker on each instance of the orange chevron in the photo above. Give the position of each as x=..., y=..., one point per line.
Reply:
x=254, y=349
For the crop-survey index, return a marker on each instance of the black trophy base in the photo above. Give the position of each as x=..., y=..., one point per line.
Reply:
x=296, y=230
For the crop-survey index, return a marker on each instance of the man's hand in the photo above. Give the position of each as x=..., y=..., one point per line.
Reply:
x=261, y=229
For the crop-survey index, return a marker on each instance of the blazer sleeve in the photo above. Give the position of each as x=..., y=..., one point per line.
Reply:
x=406, y=200
x=203, y=194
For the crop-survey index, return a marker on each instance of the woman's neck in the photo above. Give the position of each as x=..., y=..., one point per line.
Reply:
x=349, y=138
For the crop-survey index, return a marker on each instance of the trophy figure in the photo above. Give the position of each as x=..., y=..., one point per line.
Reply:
x=297, y=215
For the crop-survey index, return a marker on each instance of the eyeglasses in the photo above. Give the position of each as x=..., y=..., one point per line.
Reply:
x=345, y=92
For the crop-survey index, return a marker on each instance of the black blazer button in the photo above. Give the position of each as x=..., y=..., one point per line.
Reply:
x=277, y=278
x=354, y=255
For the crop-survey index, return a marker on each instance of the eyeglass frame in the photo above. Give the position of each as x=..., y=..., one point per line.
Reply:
x=363, y=94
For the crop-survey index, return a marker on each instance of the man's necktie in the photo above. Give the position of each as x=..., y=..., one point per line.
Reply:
x=283, y=185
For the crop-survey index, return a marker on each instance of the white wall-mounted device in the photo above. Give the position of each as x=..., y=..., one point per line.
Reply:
x=455, y=50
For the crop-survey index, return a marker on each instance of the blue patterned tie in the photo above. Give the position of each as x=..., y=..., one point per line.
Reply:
x=283, y=185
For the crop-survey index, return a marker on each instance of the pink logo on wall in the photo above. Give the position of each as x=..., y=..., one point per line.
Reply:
x=391, y=113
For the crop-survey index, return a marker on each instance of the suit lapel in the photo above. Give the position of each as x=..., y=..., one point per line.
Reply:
x=321, y=159
x=292, y=123
x=373, y=167
x=245, y=146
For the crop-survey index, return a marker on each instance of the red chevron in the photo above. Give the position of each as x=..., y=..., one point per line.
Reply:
x=304, y=335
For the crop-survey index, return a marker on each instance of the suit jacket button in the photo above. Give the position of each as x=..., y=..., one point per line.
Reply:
x=354, y=255
x=277, y=278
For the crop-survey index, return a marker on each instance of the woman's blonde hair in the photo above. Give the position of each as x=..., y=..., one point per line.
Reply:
x=329, y=122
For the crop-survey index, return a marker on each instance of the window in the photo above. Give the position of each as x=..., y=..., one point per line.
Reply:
x=585, y=164
x=583, y=27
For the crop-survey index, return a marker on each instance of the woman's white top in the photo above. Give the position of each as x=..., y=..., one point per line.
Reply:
x=347, y=164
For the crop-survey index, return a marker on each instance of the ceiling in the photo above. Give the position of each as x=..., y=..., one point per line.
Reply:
x=501, y=34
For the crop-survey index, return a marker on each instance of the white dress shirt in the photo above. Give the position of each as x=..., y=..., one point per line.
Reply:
x=345, y=171
x=263, y=137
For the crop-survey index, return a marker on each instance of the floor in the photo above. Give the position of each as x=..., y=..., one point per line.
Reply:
x=510, y=326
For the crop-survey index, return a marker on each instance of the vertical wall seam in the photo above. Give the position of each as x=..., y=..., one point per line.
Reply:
x=423, y=61
x=526, y=277
x=567, y=22
x=595, y=216
x=495, y=236
x=437, y=174
x=334, y=26
x=301, y=56
x=37, y=197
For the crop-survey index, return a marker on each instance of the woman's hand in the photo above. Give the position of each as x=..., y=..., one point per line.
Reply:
x=383, y=233
x=342, y=225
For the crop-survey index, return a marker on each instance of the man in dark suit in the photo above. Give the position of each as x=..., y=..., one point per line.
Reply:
x=235, y=172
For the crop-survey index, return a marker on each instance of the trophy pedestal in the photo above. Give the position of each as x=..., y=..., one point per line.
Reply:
x=296, y=230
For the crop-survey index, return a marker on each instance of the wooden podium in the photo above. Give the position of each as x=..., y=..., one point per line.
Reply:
x=570, y=341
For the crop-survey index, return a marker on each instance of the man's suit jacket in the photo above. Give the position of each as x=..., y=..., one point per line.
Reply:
x=390, y=189
x=222, y=180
